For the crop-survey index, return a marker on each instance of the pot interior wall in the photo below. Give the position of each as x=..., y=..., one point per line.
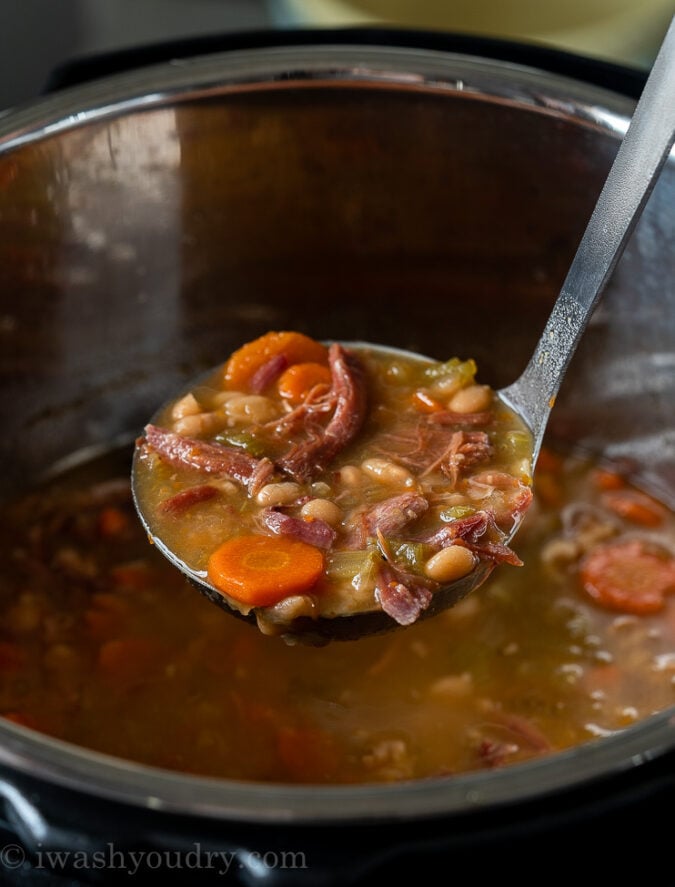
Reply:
x=138, y=250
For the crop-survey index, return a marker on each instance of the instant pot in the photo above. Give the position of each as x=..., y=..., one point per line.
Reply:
x=425, y=191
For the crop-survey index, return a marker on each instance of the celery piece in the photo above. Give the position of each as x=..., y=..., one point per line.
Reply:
x=455, y=512
x=411, y=554
x=357, y=567
x=346, y=564
x=461, y=371
x=243, y=439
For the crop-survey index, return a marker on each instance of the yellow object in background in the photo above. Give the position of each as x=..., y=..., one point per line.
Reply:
x=625, y=31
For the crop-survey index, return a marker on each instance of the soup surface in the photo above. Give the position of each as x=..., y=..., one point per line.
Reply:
x=104, y=644
x=308, y=481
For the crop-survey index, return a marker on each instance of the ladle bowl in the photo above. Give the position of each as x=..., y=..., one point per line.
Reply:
x=321, y=630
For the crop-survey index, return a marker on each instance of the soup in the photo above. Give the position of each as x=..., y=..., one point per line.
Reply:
x=307, y=481
x=104, y=644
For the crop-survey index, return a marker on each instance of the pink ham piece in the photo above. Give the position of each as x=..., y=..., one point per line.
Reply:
x=314, y=532
x=268, y=373
x=209, y=458
x=390, y=516
x=402, y=596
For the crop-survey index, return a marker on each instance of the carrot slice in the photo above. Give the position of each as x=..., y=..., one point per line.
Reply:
x=605, y=479
x=262, y=570
x=112, y=522
x=297, y=381
x=296, y=347
x=628, y=576
x=635, y=507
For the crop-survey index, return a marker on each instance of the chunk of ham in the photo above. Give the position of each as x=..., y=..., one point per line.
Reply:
x=390, y=516
x=181, y=502
x=314, y=532
x=402, y=596
x=209, y=458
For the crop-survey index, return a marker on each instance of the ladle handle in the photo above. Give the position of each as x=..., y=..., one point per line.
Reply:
x=642, y=153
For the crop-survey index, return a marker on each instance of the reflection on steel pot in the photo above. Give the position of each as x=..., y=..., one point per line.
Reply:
x=152, y=221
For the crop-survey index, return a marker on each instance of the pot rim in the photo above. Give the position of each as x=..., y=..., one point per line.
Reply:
x=293, y=67
x=319, y=67
x=153, y=789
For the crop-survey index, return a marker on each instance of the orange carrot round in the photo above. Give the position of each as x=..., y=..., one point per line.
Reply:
x=606, y=479
x=628, y=576
x=112, y=522
x=297, y=381
x=635, y=506
x=296, y=347
x=262, y=570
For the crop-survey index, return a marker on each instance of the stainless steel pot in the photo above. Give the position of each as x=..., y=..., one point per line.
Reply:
x=151, y=221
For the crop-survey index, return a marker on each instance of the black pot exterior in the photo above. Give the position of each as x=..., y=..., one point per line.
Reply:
x=419, y=197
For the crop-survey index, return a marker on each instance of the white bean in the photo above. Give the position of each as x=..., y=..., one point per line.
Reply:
x=446, y=386
x=350, y=476
x=450, y=563
x=278, y=494
x=251, y=408
x=186, y=406
x=221, y=397
x=200, y=423
x=225, y=486
x=472, y=399
x=322, y=509
x=273, y=620
x=388, y=472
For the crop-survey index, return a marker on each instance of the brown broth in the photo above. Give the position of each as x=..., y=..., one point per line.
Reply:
x=105, y=645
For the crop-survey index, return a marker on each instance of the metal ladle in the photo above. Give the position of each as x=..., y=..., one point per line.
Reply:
x=641, y=155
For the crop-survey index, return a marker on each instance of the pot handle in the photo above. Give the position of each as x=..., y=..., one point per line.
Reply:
x=608, y=75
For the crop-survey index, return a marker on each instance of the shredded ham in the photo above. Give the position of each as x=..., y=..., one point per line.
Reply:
x=178, y=504
x=480, y=534
x=466, y=448
x=311, y=456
